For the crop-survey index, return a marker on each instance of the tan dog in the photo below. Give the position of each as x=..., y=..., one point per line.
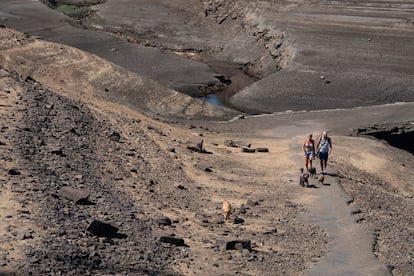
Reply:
x=226, y=210
x=321, y=179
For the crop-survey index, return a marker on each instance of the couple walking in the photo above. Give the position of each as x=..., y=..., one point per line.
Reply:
x=323, y=149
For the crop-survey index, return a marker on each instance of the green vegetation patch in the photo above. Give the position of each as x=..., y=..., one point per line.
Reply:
x=72, y=11
x=73, y=8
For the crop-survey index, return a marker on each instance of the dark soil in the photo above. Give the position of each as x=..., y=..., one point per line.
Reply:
x=399, y=135
x=53, y=122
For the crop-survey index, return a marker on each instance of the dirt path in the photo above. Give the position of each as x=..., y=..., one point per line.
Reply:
x=350, y=250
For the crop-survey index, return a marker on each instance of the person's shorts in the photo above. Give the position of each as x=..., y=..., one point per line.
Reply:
x=323, y=155
x=309, y=154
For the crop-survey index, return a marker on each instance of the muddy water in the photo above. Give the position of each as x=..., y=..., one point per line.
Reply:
x=232, y=76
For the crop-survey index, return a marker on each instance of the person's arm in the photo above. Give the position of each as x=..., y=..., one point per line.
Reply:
x=319, y=143
x=303, y=146
x=313, y=148
x=330, y=144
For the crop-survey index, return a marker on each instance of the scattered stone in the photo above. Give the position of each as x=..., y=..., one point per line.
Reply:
x=181, y=187
x=172, y=240
x=23, y=212
x=349, y=199
x=251, y=203
x=196, y=145
x=30, y=79
x=108, y=241
x=26, y=236
x=237, y=144
x=248, y=150
x=115, y=136
x=223, y=19
x=57, y=151
x=262, y=150
x=165, y=221
x=14, y=171
x=102, y=229
x=270, y=232
x=76, y=195
x=355, y=211
x=238, y=244
x=157, y=130
x=238, y=220
x=208, y=169
x=242, y=209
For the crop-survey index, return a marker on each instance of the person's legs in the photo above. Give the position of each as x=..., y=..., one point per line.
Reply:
x=324, y=158
x=306, y=162
x=325, y=162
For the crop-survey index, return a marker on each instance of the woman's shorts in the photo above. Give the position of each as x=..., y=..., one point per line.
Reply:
x=323, y=155
x=309, y=154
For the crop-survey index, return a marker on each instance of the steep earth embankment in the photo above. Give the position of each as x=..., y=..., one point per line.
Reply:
x=60, y=129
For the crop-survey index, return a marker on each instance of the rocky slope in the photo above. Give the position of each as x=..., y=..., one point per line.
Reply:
x=72, y=120
x=136, y=172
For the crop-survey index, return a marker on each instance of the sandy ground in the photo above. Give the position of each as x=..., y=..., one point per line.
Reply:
x=279, y=216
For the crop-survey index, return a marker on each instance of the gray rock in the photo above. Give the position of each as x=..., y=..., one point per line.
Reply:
x=115, y=136
x=26, y=235
x=238, y=245
x=248, y=150
x=14, y=171
x=252, y=203
x=238, y=220
x=172, y=240
x=76, y=195
x=262, y=149
x=237, y=144
x=164, y=221
x=195, y=145
x=56, y=151
x=102, y=229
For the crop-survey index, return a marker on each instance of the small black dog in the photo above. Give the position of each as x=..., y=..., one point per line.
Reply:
x=312, y=172
x=303, y=180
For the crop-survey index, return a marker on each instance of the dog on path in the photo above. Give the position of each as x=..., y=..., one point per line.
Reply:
x=312, y=172
x=226, y=210
x=321, y=179
x=304, y=178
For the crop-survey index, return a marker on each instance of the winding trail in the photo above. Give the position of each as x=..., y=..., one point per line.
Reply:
x=350, y=251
